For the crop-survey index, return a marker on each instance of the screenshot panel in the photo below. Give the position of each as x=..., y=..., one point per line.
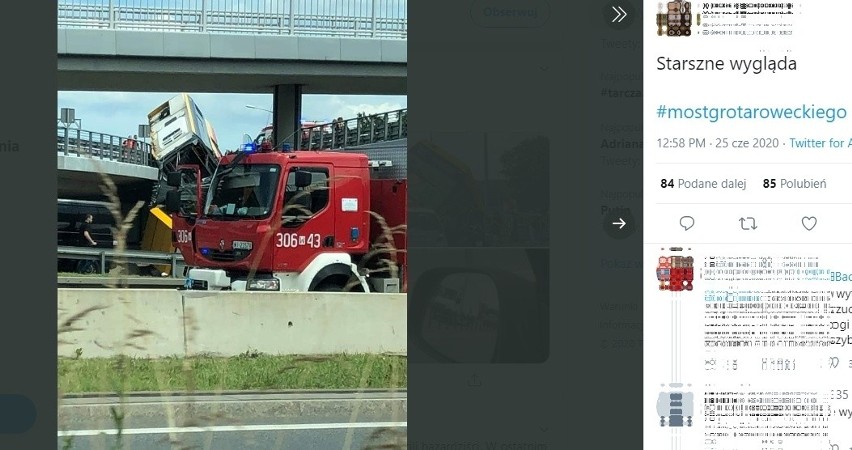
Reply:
x=509, y=157
x=746, y=268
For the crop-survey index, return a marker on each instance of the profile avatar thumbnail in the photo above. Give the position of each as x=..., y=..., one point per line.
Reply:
x=675, y=20
x=675, y=272
x=675, y=406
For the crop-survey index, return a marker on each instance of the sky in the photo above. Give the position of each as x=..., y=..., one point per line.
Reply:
x=121, y=113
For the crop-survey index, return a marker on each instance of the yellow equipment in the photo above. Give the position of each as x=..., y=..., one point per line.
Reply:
x=158, y=235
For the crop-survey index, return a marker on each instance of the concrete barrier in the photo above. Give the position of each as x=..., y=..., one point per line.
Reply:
x=312, y=323
x=152, y=323
x=145, y=323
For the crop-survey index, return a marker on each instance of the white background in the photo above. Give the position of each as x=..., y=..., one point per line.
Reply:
x=820, y=45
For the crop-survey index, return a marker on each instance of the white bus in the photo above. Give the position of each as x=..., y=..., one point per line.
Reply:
x=178, y=124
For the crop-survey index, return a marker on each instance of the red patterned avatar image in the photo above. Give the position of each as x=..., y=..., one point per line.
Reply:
x=675, y=273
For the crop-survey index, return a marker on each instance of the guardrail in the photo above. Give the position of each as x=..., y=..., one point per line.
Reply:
x=385, y=19
x=74, y=141
x=129, y=256
x=361, y=130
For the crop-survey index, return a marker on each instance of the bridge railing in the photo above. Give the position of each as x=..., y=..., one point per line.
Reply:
x=386, y=19
x=77, y=142
x=361, y=130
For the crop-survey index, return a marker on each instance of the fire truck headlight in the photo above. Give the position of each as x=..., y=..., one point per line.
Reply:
x=264, y=284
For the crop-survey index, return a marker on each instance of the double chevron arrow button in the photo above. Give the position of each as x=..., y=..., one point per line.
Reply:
x=619, y=14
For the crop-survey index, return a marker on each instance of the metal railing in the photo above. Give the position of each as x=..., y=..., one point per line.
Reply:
x=74, y=141
x=129, y=256
x=361, y=130
x=386, y=19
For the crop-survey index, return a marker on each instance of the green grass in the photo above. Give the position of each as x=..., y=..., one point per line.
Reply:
x=250, y=371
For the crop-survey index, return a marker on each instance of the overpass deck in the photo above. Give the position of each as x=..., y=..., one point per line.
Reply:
x=245, y=46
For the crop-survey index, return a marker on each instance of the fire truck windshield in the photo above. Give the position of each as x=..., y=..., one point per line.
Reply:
x=243, y=191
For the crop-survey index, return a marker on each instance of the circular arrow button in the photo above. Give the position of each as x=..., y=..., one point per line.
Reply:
x=619, y=223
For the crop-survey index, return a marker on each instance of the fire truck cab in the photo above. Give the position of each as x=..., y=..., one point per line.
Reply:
x=293, y=221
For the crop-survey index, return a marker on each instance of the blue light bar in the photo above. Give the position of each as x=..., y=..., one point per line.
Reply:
x=205, y=251
x=249, y=147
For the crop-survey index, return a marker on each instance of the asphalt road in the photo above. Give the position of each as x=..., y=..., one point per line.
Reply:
x=229, y=422
x=261, y=437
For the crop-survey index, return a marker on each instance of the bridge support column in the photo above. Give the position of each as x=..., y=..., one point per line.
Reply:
x=287, y=115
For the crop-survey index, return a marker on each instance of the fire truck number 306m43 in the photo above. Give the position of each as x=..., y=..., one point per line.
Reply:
x=183, y=236
x=288, y=240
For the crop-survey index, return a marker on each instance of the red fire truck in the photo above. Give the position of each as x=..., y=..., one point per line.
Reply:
x=293, y=221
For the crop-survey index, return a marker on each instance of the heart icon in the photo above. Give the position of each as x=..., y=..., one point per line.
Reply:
x=809, y=223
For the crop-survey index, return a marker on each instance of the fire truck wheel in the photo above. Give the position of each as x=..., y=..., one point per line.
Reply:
x=337, y=283
x=328, y=287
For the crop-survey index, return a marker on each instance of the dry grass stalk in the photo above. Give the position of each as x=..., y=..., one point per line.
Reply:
x=381, y=439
